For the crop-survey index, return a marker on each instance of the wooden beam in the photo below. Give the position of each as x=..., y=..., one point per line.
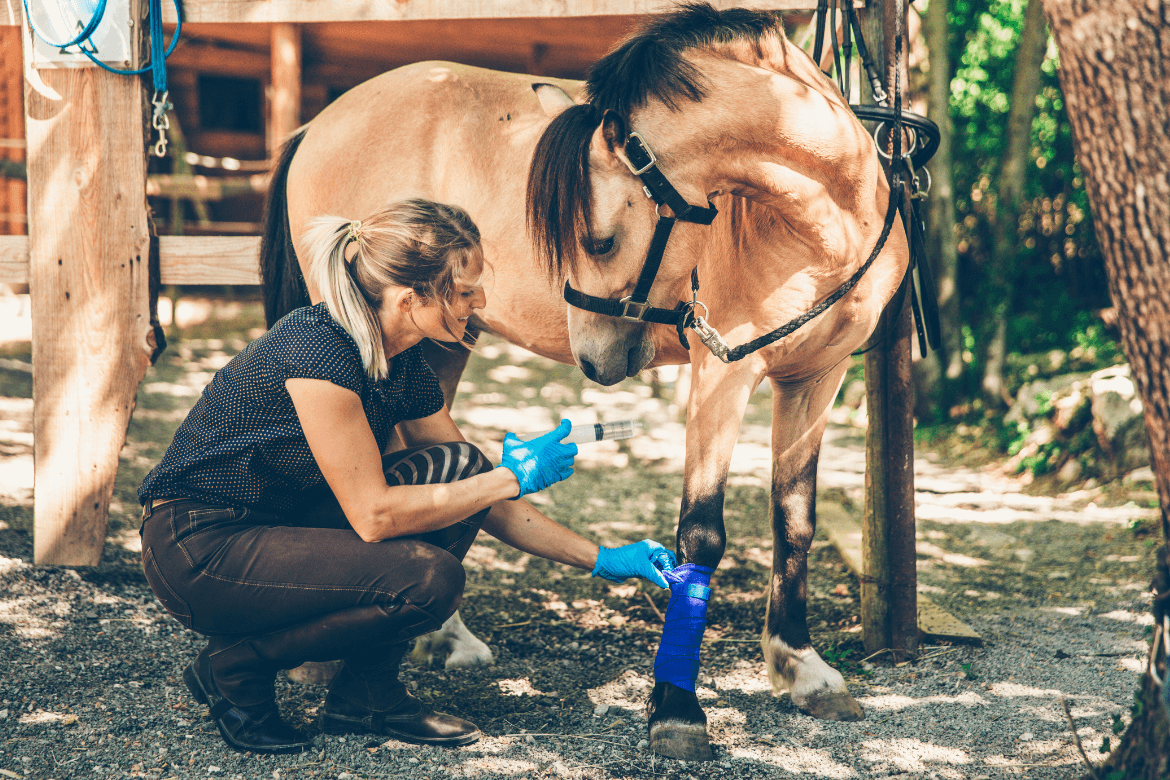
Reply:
x=13, y=259
x=199, y=187
x=182, y=260
x=236, y=11
x=209, y=259
x=284, y=108
x=90, y=294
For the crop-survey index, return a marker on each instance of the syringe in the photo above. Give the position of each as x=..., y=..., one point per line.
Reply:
x=586, y=433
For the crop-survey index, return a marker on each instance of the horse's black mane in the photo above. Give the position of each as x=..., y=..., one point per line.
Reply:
x=648, y=64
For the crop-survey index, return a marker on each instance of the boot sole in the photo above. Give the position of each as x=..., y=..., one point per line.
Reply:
x=336, y=724
x=195, y=686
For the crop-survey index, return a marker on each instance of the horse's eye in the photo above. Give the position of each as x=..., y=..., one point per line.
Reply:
x=597, y=246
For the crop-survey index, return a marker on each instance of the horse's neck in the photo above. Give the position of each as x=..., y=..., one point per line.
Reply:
x=756, y=244
x=779, y=55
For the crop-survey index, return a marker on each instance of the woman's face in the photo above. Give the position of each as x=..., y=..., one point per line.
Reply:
x=467, y=296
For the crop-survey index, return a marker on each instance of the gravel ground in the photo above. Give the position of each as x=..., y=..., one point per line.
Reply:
x=1054, y=582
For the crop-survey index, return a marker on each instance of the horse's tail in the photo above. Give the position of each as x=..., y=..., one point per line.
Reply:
x=281, y=281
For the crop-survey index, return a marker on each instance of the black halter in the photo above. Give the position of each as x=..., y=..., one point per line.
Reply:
x=635, y=307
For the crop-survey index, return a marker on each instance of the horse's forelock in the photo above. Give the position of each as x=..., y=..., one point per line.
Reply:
x=650, y=62
x=559, y=191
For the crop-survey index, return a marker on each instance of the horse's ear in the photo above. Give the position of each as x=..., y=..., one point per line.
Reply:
x=609, y=140
x=552, y=98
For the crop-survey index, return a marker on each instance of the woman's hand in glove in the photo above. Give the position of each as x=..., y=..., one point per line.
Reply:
x=541, y=462
x=646, y=559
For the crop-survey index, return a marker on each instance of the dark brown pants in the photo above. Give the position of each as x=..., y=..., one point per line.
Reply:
x=307, y=585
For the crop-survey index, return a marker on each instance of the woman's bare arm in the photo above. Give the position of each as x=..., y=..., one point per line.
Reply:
x=344, y=447
x=521, y=525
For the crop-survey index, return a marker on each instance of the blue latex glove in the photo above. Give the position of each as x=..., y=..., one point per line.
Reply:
x=646, y=559
x=541, y=462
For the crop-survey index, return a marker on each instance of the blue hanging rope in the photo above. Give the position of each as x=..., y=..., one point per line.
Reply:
x=157, y=66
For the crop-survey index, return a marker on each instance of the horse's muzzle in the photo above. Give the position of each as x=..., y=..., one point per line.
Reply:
x=616, y=363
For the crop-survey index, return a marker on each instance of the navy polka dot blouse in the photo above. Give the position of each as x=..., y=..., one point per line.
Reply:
x=243, y=445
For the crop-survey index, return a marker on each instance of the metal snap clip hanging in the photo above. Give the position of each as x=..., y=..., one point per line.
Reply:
x=161, y=122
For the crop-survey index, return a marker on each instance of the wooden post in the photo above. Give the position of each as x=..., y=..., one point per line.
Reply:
x=285, y=107
x=89, y=243
x=889, y=612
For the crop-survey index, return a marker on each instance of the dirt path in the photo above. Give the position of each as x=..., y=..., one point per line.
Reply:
x=1054, y=583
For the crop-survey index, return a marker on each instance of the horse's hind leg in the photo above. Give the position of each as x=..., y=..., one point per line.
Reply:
x=448, y=362
x=798, y=422
x=718, y=398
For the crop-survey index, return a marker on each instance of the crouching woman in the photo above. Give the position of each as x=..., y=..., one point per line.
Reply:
x=277, y=526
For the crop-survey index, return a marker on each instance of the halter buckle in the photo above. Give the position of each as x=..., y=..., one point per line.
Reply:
x=645, y=148
x=641, y=308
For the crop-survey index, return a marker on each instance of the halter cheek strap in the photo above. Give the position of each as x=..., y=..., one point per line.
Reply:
x=636, y=307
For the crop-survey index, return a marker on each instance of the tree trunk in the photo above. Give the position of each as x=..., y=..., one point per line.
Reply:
x=1116, y=83
x=1005, y=216
x=940, y=238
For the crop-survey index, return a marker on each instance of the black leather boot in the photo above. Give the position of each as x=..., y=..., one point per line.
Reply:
x=257, y=727
x=372, y=700
x=234, y=675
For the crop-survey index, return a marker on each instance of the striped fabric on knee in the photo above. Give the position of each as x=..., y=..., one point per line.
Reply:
x=438, y=463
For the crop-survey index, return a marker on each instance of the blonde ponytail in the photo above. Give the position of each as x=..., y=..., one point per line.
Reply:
x=415, y=243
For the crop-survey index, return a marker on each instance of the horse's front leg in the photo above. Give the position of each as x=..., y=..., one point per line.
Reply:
x=718, y=398
x=799, y=414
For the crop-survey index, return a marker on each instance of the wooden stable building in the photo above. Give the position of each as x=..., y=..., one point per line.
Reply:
x=239, y=89
x=245, y=75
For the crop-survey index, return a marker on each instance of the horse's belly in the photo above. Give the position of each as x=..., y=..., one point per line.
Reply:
x=454, y=134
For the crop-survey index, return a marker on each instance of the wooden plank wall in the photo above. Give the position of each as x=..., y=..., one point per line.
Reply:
x=13, y=193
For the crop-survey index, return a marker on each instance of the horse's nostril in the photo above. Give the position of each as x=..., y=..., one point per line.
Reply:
x=588, y=369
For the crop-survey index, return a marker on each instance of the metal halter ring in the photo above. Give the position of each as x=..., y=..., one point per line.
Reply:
x=905, y=152
x=923, y=192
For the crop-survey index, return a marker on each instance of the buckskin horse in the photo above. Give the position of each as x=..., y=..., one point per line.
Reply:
x=705, y=112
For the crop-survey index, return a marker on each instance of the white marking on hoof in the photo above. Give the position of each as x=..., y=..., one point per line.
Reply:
x=815, y=687
x=464, y=647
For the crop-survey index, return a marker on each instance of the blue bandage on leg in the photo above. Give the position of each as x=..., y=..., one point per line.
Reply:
x=677, y=661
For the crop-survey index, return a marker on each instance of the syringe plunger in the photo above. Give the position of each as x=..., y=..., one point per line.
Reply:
x=585, y=433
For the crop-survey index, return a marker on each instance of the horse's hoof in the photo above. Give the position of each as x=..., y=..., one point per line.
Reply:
x=832, y=705
x=684, y=741
x=468, y=654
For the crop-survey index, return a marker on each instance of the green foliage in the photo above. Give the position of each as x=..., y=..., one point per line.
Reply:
x=1056, y=278
x=844, y=659
x=969, y=671
x=1105, y=746
x=1118, y=724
